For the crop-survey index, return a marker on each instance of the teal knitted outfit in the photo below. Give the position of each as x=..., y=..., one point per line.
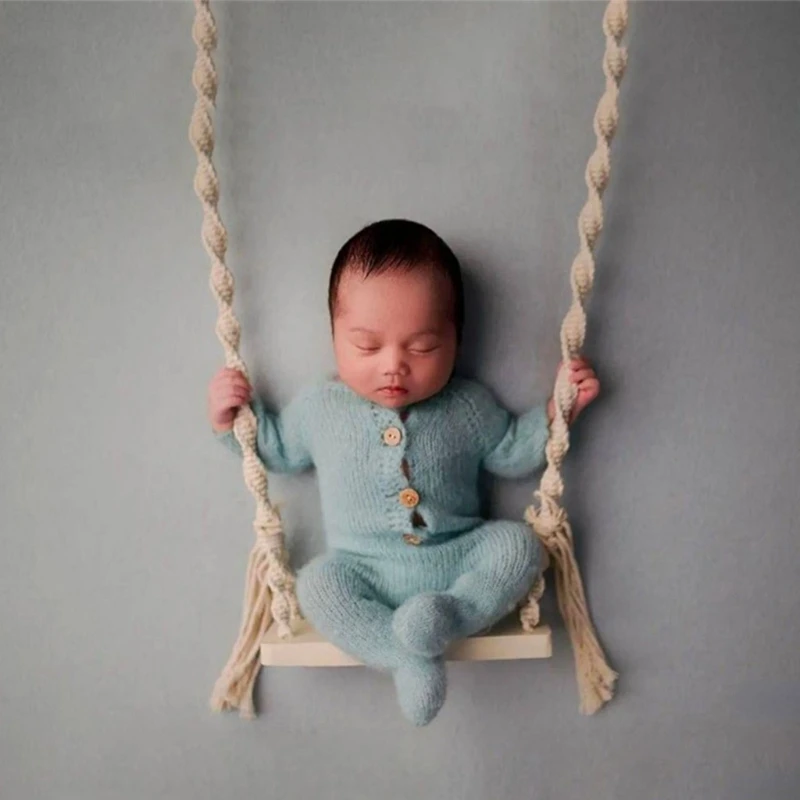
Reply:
x=411, y=565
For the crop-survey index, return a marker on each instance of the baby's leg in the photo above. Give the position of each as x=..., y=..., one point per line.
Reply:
x=336, y=594
x=500, y=563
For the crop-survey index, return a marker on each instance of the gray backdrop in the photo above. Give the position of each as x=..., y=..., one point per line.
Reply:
x=125, y=527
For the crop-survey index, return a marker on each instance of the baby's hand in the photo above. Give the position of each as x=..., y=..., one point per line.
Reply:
x=229, y=390
x=582, y=374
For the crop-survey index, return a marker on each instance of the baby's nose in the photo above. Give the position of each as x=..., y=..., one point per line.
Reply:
x=395, y=363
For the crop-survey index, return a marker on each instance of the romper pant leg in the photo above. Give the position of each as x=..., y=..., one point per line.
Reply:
x=502, y=567
x=497, y=568
x=336, y=594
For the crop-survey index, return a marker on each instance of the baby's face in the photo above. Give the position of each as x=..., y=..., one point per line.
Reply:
x=393, y=336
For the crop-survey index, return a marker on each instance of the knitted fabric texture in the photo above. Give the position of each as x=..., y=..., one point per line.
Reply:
x=411, y=564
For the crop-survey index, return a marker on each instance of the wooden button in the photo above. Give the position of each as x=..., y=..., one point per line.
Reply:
x=409, y=498
x=411, y=538
x=392, y=436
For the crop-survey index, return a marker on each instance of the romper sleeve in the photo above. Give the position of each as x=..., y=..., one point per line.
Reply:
x=283, y=440
x=513, y=445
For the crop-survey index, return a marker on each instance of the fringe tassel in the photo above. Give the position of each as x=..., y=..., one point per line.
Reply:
x=595, y=677
x=268, y=595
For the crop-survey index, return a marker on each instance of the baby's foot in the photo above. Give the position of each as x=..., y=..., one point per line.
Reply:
x=421, y=686
x=426, y=623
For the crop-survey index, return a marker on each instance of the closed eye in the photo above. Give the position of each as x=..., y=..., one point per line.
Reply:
x=416, y=350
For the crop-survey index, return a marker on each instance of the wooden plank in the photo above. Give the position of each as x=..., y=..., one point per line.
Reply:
x=507, y=641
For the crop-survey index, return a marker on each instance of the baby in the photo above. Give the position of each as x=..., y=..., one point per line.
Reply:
x=398, y=442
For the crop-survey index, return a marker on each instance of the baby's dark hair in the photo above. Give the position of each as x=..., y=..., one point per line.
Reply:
x=401, y=246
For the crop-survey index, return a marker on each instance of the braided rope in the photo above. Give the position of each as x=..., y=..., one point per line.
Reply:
x=595, y=678
x=269, y=589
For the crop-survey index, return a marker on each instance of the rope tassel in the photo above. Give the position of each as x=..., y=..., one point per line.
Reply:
x=266, y=576
x=595, y=678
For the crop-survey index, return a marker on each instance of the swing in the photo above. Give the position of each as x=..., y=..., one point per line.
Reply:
x=272, y=630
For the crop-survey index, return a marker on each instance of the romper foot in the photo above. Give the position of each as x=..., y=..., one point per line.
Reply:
x=421, y=685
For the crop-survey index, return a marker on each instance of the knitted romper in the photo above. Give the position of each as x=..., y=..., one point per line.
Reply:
x=411, y=565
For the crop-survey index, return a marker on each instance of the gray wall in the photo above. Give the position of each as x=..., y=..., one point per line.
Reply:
x=125, y=528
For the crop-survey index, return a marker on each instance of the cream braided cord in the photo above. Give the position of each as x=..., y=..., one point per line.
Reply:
x=269, y=590
x=595, y=678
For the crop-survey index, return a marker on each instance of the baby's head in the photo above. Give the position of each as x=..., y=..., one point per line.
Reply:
x=397, y=310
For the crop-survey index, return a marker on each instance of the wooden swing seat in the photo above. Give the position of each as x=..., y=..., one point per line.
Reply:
x=506, y=641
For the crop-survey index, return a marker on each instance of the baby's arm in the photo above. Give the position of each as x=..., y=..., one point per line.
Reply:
x=282, y=440
x=513, y=445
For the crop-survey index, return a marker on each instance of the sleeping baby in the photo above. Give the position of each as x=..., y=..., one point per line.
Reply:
x=398, y=442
